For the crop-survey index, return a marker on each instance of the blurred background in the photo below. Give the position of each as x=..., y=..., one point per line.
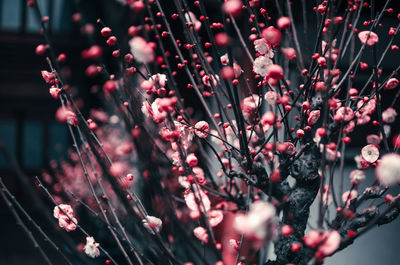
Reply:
x=31, y=137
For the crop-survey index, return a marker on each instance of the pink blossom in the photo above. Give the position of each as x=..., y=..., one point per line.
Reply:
x=215, y=217
x=262, y=47
x=49, y=77
x=233, y=7
x=312, y=239
x=313, y=117
x=201, y=129
x=370, y=153
x=344, y=113
x=55, y=92
x=250, y=105
x=91, y=248
x=261, y=64
x=327, y=197
x=392, y=83
x=66, y=219
x=272, y=97
x=258, y=221
x=192, y=160
x=369, y=37
x=152, y=224
x=201, y=198
x=388, y=170
x=283, y=22
x=192, y=20
x=201, y=233
x=272, y=35
x=207, y=78
x=374, y=139
x=348, y=196
x=356, y=176
x=290, y=53
x=141, y=50
x=274, y=71
x=331, y=242
x=389, y=115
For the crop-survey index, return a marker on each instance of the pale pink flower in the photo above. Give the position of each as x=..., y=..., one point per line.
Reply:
x=392, y=83
x=152, y=224
x=260, y=65
x=250, y=105
x=290, y=53
x=272, y=97
x=192, y=160
x=283, y=22
x=207, y=78
x=49, y=77
x=65, y=216
x=349, y=127
x=91, y=248
x=258, y=222
x=389, y=115
x=313, y=117
x=313, y=238
x=233, y=7
x=262, y=47
x=201, y=129
x=344, y=113
x=215, y=217
x=68, y=223
x=331, y=242
x=356, y=176
x=201, y=233
x=348, y=196
x=64, y=207
x=191, y=19
x=369, y=37
x=374, y=139
x=141, y=50
x=388, y=170
x=274, y=71
x=370, y=153
x=201, y=198
x=55, y=92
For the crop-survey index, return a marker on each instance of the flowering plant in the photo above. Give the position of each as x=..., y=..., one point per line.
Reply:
x=210, y=127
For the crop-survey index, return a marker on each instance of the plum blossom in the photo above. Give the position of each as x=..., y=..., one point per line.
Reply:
x=261, y=64
x=272, y=97
x=192, y=20
x=262, y=47
x=232, y=7
x=313, y=117
x=250, y=105
x=201, y=197
x=389, y=115
x=141, y=50
x=215, y=217
x=154, y=82
x=331, y=242
x=369, y=37
x=258, y=222
x=370, y=153
x=201, y=233
x=201, y=129
x=388, y=170
x=374, y=139
x=91, y=248
x=392, y=83
x=348, y=196
x=65, y=216
x=356, y=176
x=344, y=113
x=152, y=224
